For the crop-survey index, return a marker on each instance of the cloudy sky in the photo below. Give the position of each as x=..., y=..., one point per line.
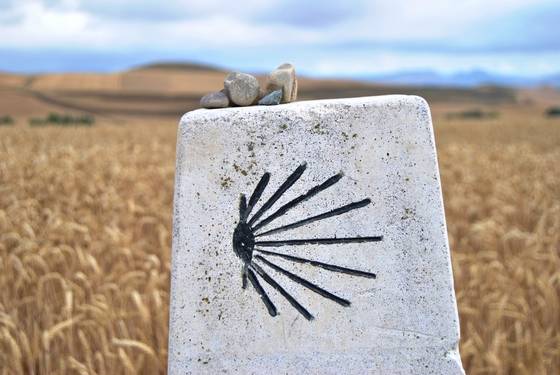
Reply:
x=323, y=38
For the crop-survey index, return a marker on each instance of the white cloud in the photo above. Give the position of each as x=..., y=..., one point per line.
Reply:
x=219, y=23
x=385, y=33
x=68, y=26
x=42, y=27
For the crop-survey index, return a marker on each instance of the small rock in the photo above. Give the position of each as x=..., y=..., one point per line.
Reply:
x=242, y=89
x=272, y=98
x=284, y=77
x=214, y=100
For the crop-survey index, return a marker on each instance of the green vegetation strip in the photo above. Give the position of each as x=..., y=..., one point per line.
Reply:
x=6, y=120
x=62, y=120
x=476, y=114
x=553, y=112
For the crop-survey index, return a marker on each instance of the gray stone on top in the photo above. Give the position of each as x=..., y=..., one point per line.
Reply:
x=273, y=98
x=241, y=88
x=214, y=100
x=284, y=77
x=365, y=169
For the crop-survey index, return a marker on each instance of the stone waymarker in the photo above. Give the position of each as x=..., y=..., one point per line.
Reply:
x=310, y=238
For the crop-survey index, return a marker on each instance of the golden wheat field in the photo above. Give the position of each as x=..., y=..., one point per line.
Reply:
x=85, y=223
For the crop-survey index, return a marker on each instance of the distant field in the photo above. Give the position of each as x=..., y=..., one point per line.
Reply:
x=170, y=90
x=85, y=225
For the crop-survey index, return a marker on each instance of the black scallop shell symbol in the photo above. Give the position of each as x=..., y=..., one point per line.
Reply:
x=248, y=242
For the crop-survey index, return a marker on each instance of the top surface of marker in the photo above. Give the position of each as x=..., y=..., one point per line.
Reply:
x=329, y=213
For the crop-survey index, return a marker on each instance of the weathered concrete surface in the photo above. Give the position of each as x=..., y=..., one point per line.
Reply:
x=402, y=322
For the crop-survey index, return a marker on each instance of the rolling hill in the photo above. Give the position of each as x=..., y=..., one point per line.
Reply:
x=171, y=89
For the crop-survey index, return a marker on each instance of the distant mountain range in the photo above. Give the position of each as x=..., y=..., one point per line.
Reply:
x=465, y=79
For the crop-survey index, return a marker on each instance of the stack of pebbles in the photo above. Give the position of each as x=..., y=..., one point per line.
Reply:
x=242, y=89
